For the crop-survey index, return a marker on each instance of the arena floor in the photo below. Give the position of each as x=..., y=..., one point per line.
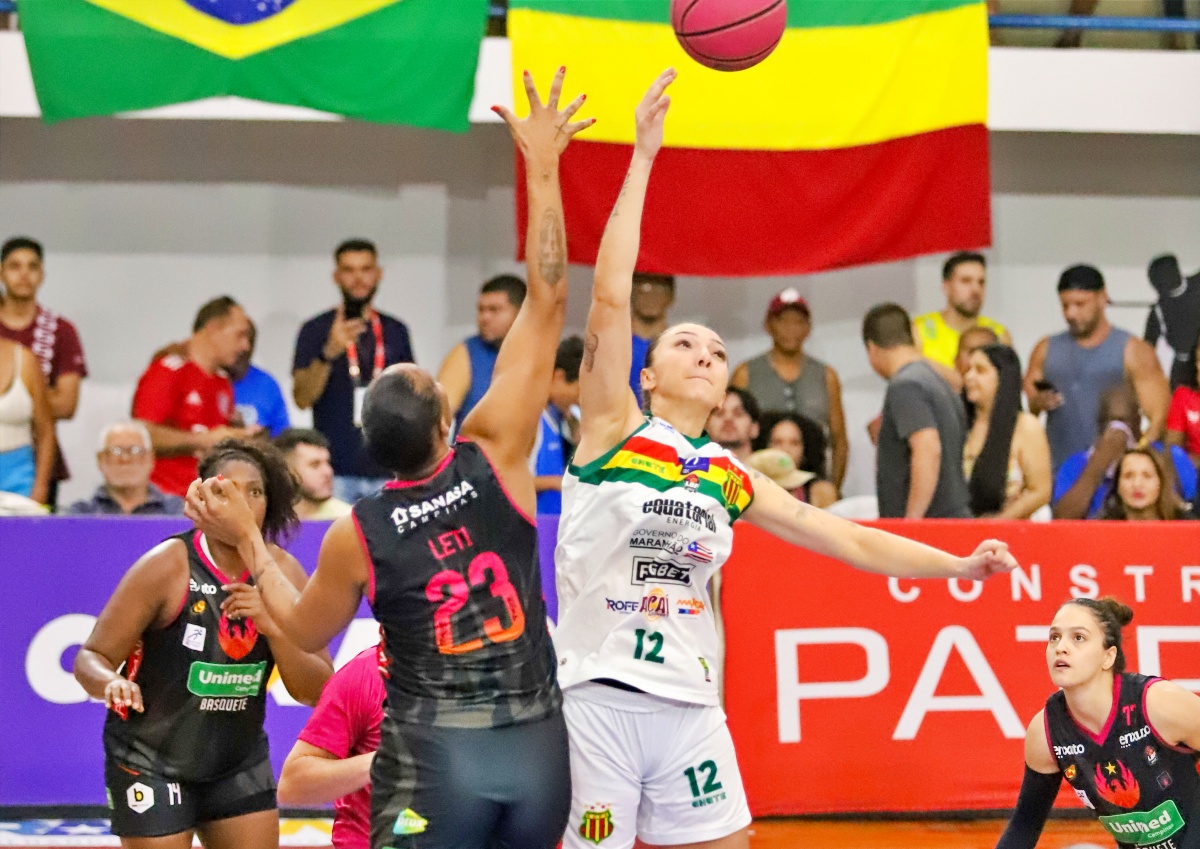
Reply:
x=767, y=834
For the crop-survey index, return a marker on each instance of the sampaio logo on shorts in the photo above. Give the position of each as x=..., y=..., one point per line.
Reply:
x=597, y=824
x=649, y=570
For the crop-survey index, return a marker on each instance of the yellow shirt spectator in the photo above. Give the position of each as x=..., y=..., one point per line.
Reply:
x=938, y=341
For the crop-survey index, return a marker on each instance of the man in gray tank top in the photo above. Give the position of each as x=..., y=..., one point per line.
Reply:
x=787, y=380
x=1069, y=372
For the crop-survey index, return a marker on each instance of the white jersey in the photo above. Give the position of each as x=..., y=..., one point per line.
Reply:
x=643, y=529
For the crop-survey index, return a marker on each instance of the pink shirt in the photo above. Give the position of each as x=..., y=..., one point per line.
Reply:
x=345, y=723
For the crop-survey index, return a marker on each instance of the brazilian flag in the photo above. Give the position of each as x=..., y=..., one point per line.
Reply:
x=389, y=61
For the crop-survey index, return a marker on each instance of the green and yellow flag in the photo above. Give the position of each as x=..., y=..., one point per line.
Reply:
x=860, y=139
x=390, y=61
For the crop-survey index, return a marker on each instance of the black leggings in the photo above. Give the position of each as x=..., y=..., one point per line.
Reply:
x=471, y=788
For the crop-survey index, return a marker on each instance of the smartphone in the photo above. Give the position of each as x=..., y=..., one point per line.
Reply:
x=1043, y=386
x=352, y=307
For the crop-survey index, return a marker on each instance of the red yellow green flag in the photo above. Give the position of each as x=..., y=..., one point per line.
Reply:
x=862, y=138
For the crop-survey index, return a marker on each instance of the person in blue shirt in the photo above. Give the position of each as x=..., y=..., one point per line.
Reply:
x=1086, y=477
x=337, y=354
x=556, y=437
x=466, y=373
x=653, y=295
x=256, y=394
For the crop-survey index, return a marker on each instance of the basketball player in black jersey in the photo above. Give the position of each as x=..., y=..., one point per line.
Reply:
x=181, y=655
x=473, y=751
x=1126, y=743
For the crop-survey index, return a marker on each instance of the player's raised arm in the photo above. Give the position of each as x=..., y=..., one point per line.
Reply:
x=505, y=420
x=610, y=411
x=869, y=549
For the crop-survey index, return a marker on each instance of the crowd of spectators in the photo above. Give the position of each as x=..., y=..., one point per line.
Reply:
x=953, y=439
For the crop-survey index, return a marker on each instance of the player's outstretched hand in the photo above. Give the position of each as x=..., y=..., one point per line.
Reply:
x=546, y=131
x=121, y=694
x=244, y=601
x=651, y=114
x=219, y=510
x=992, y=557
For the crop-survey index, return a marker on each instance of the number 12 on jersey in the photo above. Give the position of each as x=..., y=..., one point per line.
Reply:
x=655, y=642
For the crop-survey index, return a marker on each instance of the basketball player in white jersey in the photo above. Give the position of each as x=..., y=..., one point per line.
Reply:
x=648, y=512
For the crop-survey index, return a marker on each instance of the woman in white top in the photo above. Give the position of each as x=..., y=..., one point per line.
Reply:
x=26, y=424
x=1006, y=457
x=647, y=519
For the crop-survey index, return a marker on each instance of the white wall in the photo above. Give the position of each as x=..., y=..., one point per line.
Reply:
x=145, y=220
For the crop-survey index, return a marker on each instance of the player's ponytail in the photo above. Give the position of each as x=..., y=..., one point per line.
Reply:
x=1112, y=615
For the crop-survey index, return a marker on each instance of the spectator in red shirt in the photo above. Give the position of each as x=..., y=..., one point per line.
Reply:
x=186, y=400
x=53, y=339
x=331, y=761
x=1183, y=417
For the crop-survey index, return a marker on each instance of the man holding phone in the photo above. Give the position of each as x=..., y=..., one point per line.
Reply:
x=337, y=354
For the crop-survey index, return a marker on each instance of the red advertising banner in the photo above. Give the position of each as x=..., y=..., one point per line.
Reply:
x=852, y=692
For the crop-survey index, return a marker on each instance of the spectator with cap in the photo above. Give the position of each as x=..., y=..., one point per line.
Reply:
x=337, y=354
x=307, y=455
x=466, y=373
x=1086, y=477
x=786, y=379
x=734, y=424
x=780, y=466
x=53, y=340
x=186, y=400
x=652, y=297
x=126, y=458
x=256, y=393
x=964, y=283
x=923, y=428
x=1068, y=372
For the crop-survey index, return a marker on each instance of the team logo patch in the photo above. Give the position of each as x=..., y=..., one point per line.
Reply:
x=140, y=797
x=1070, y=772
x=597, y=825
x=193, y=636
x=691, y=483
x=1116, y=784
x=656, y=605
x=410, y=822
x=1151, y=755
x=200, y=606
x=237, y=638
x=1164, y=780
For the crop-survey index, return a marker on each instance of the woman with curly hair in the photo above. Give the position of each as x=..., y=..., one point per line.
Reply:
x=181, y=656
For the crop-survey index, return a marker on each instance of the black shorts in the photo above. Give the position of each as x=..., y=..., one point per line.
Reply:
x=466, y=788
x=144, y=804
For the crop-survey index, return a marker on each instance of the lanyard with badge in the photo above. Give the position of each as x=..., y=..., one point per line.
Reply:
x=360, y=391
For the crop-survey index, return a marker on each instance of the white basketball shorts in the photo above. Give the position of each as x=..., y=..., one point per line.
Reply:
x=649, y=767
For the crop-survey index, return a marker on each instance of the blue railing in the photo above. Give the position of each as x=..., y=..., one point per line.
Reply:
x=1083, y=22
x=497, y=10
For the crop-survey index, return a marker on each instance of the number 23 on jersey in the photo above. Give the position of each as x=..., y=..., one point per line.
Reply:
x=453, y=592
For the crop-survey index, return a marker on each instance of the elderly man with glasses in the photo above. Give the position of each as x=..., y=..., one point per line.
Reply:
x=125, y=458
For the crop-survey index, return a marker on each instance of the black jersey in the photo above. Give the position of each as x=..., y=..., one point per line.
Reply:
x=1145, y=790
x=457, y=590
x=204, y=685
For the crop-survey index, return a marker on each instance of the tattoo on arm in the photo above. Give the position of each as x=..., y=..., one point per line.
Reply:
x=589, y=351
x=552, y=263
x=620, y=195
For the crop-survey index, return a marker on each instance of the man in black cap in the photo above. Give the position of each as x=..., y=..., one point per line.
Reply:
x=1069, y=372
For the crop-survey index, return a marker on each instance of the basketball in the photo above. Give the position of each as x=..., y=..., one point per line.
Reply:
x=729, y=35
